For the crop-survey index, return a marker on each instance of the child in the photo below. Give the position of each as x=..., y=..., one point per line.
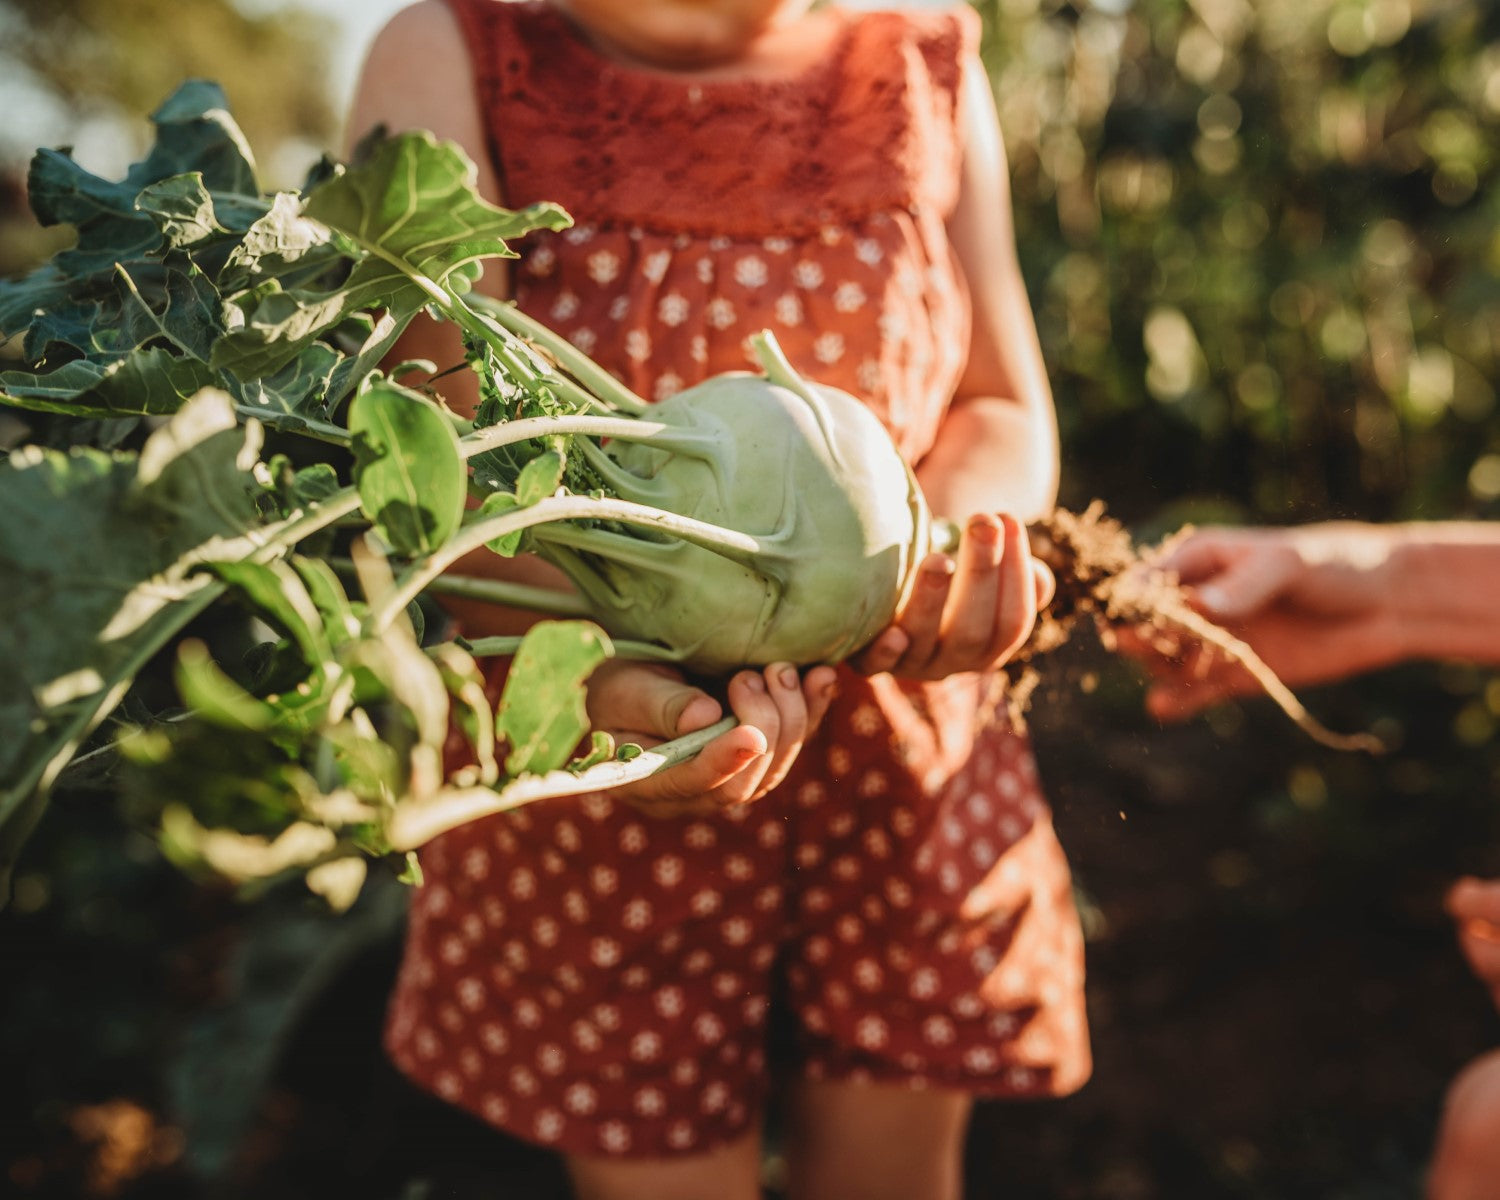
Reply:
x=596, y=980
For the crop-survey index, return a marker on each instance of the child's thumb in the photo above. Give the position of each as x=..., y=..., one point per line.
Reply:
x=680, y=708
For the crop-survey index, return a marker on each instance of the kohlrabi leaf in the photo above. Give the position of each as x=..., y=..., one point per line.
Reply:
x=295, y=395
x=214, y=696
x=540, y=477
x=189, y=215
x=184, y=313
x=151, y=381
x=277, y=593
x=408, y=467
x=282, y=244
x=45, y=290
x=100, y=555
x=412, y=202
x=194, y=135
x=497, y=504
x=409, y=218
x=542, y=716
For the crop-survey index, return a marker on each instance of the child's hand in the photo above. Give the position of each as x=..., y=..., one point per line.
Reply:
x=1474, y=904
x=649, y=704
x=969, y=613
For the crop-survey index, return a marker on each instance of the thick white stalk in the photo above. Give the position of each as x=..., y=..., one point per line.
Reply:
x=735, y=545
x=413, y=824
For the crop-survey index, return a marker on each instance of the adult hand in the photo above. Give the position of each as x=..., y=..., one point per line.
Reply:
x=648, y=704
x=1474, y=905
x=1313, y=602
x=967, y=612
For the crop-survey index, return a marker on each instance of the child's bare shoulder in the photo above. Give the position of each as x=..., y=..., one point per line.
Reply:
x=417, y=74
x=424, y=27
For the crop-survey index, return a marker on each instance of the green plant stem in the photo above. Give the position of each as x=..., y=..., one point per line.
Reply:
x=496, y=591
x=737, y=546
x=415, y=823
x=494, y=647
x=589, y=373
x=509, y=432
x=318, y=430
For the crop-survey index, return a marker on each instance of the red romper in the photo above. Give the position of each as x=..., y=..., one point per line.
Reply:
x=596, y=980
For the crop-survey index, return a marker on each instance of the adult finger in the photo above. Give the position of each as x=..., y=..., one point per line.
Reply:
x=1480, y=942
x=1247, y=583
x=884, y=652
x=1474, y=899
x=1199, y=556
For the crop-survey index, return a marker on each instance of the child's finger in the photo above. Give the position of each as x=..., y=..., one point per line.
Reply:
x=648, y=699
x=1045, y=581
x=784, y=685
x=1017, y=608
x=969, y=620
x=820, y=687
x=922, y=619
x=694, y=783
x=750, y=700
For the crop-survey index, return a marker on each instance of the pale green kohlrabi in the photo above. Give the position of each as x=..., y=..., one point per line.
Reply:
x=808, y=472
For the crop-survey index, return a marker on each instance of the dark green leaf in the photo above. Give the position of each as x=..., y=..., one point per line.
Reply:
x=99, y=553
x=146, y=381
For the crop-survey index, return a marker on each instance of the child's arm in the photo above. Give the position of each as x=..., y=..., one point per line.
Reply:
x=996, y=449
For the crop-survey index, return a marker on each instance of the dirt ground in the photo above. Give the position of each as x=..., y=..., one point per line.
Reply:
x=1275, y=996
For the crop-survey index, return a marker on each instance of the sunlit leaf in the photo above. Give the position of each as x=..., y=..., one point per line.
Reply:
x=408, y=467
x=542, y=716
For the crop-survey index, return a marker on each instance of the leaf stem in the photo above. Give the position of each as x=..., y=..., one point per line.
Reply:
x=292, y=423
x=732, y=544
x=589, y=373
x=495, y=647
x=509, y=432
x=497, y=591
x=413, y=824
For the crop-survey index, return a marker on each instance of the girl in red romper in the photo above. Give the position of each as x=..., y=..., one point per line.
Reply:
x=599, y=981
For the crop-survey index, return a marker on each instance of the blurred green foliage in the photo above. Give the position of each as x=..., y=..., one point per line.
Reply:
x=94, y=68
x=1262, y=241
